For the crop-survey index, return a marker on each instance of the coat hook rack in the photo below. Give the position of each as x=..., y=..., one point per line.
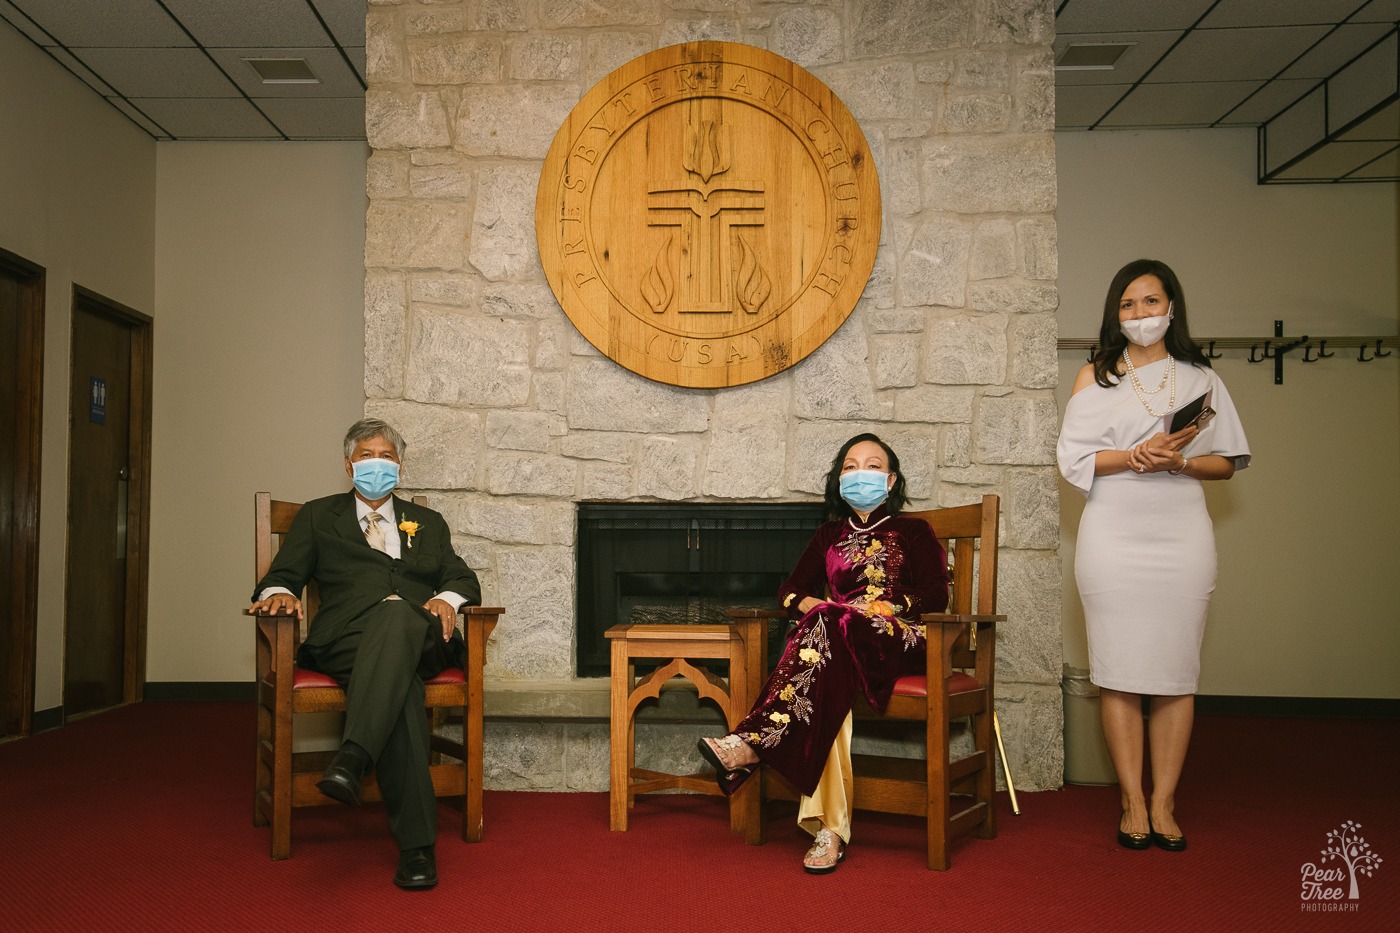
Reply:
x=1376, y=354
x=1275, y=348
x=1322, y=353
x=1283, y=349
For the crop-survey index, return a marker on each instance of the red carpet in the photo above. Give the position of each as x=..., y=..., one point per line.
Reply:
x=139, y=819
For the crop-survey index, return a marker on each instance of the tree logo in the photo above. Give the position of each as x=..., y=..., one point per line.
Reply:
x=1324, y=885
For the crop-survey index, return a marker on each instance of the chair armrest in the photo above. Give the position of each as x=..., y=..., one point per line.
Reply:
x=951, y=618
x=478, y=622
x=740, y=613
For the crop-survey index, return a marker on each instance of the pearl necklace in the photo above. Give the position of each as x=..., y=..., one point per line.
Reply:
x=1167, y=377
x=854, y=527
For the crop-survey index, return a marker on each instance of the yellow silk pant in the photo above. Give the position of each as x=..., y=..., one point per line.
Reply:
x=830, y=804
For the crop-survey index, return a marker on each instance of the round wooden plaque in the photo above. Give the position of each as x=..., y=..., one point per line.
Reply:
x=708, y=214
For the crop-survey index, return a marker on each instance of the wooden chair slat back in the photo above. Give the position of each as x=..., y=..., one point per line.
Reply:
x=969, y=536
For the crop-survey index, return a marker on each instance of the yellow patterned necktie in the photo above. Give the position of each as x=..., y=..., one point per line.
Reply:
x=373, y=533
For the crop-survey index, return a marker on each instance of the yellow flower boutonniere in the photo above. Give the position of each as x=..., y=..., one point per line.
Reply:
x=409, y=528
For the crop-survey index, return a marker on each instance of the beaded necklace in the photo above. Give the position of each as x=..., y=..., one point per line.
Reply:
x=871, y=527
x=1167, y=377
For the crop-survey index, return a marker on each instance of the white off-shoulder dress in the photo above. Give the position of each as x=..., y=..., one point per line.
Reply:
x=1145, y=558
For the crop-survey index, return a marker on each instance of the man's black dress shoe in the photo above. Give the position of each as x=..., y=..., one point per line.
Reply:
x=417, y=869
x=342, y=779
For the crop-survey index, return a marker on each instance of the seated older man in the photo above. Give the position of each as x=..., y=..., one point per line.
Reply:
x=390, y=588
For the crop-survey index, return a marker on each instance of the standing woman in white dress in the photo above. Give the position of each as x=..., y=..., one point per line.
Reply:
x=1145, y=558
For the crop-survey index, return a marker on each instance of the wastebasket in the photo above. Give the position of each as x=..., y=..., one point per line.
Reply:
x=1086, y=753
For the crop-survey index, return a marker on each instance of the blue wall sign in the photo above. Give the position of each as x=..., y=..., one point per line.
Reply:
x=97, y=401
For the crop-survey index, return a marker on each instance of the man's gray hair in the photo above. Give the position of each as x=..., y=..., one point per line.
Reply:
x=367, y=429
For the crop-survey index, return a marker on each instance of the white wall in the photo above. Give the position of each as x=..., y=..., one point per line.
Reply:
x=1309, y=536
x=259, y=371
x=250, y=258
x=77, y=196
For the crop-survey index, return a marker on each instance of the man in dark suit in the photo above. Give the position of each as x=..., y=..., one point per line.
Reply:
x=390, y=588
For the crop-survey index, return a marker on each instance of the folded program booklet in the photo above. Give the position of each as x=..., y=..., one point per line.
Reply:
x=1197, y=412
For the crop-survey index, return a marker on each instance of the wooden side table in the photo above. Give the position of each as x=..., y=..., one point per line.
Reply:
x=741, y=643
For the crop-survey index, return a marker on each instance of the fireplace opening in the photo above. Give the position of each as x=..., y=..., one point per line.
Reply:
x=681, y=563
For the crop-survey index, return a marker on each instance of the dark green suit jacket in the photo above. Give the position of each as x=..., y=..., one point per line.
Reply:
x=326, y=544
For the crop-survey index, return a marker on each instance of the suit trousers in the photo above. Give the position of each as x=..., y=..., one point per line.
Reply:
x=382, y=659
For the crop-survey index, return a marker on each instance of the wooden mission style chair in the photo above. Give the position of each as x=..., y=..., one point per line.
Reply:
x=286, y=779
x=954, y=794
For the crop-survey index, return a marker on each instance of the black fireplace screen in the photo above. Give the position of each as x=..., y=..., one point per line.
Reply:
x=644, y=562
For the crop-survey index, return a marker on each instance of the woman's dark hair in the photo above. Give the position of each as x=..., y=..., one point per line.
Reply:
x=1108, y=358
x=836, y=507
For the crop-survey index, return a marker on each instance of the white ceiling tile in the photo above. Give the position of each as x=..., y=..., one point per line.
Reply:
x=120, y=23
x=346, y=18
x=250, y=22
x=1387, y=167
x=1271, y=99
x=1335, y=160
x=1335, y=50
x=1298, y=128
x=66, y=59
x=1363, y=84
x=336, y=118
x=1379, y=11
x=158, y=72
x=1118, y=16
x=1085, y=105
x=137, y=117
x=357, y=58
x=337, y=78
x=1178, y=104
x=1277, y=12
x=1145, y=49
x=203, y=118
x=16, y=18
x=1382, y=125
x=1235, y=54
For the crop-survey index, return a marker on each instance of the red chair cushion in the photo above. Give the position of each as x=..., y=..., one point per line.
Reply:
x=917, y=686
x=453, y=675
x=304, y=678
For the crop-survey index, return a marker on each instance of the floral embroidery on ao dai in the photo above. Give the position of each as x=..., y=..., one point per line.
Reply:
x=878, y=577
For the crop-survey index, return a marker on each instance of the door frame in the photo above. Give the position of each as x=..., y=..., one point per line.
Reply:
x=138, y=504
x=23, y=607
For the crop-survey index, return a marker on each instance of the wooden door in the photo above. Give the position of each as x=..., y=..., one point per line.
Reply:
x=21, y=370
x=105, y=581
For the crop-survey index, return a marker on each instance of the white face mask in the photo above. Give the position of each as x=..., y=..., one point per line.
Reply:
x=1145, y=331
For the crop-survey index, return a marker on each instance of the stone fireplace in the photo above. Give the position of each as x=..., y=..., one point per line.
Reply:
x=513, y=419
x=680, y=564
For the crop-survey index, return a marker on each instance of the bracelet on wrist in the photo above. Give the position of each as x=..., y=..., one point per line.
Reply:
x=1181, y=469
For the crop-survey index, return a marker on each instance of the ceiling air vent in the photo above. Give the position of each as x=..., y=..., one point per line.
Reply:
x=283, y=70
x=1092, y=56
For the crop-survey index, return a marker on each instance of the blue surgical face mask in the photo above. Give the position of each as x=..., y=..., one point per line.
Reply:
x=863, y=490
x=376, y=478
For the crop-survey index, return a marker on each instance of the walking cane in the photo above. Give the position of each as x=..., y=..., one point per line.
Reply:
x=1005, y=768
